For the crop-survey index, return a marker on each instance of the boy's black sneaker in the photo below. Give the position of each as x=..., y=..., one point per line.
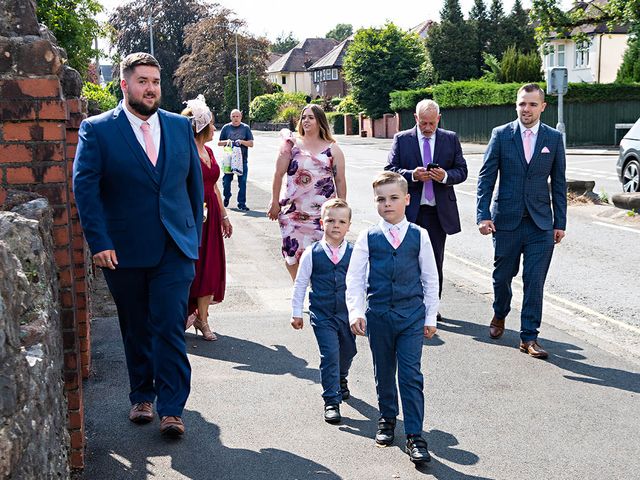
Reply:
x=332, y=414
x=243, y=208
x=385, y=433
x=416, y=448
x=344, y=389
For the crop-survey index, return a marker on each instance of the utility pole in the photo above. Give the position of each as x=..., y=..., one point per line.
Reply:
x=151, y=34
x=249, y=86
x=237, y=77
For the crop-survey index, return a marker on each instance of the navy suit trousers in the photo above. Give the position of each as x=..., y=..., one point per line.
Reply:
x=337, y=348
x=152, y=308
x=536, y=248
x=396, y=345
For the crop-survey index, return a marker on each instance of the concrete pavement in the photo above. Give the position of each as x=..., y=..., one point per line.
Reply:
x=255, y=410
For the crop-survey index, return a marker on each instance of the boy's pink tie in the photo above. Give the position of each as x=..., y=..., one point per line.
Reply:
x=148, y=143
x=334, y=254
x=527, y=145
x=395, y=236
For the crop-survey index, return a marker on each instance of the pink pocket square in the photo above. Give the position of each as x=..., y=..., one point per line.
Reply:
x=544, y=150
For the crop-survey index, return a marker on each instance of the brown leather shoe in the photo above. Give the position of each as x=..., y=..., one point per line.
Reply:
x=171, y=426
x=496, y=327
x=141, y=412
x=534, y=349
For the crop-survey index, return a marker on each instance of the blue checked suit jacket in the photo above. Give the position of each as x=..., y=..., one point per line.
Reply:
x=523, y=185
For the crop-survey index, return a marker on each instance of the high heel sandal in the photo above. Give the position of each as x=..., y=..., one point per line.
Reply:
x=207, y=334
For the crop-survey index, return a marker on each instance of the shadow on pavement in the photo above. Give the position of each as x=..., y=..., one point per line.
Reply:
x=563, y=355
x=200, y=455
x=253, y=357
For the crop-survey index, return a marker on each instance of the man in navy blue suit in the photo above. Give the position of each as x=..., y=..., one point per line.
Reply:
x=431, y=161
x=526, y=154
x=138, y=187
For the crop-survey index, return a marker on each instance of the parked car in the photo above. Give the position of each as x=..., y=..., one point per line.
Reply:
x=628, y=166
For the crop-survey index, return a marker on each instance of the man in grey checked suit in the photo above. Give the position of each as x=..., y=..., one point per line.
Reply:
x=523, y=218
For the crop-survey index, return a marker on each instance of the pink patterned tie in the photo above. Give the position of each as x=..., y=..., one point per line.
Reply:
x=395, y=236
x=527, y=145
x=148, y=143
x=334, y=254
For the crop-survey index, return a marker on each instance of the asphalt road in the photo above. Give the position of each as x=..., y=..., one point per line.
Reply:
x=255, y=410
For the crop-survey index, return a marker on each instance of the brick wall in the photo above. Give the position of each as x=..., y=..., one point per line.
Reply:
x=39, y=132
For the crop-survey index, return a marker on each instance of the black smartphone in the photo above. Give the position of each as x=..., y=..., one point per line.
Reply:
x=431, y=166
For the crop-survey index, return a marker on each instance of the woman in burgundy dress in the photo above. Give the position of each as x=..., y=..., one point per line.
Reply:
x=209, y=283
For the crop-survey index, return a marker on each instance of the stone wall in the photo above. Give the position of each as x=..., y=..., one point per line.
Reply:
x=33, y=434
x=40, y=113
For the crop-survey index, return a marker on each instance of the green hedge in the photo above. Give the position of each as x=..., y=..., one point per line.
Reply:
x=336, y=122
x=477, y=93
x=99, y=98
x=407, y=99
x=266, y=107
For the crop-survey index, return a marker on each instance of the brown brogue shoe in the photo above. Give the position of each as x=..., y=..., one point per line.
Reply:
x=172, y=426
x=534, y=349
x=141, y=412
x=496, y=327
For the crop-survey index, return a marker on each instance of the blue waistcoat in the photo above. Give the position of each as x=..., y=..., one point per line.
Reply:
x=327, y=295
x=394, y=274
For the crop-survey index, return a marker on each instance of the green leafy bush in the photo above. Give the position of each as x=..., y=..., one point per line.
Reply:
x=349, y=105
x=407, y=99
x=267, y=107
x=99, y=98
x=336, y=122
x=477, y=93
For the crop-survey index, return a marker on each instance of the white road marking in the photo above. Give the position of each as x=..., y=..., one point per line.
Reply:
x=549, y=297
x=626, y=229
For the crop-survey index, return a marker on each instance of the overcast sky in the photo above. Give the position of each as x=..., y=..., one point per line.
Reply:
x=271, y=17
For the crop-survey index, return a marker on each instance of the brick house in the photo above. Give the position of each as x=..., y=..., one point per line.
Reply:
x=327, y=75
x=291, y=70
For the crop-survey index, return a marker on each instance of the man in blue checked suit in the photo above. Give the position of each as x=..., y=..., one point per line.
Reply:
x=526, y=217
x=138, y=186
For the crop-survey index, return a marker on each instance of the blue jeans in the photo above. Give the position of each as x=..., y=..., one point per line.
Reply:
x=242, y=185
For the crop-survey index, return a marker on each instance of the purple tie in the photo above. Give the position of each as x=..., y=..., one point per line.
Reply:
x=427, y=190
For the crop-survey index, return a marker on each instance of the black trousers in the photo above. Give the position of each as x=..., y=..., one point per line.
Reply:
x=428, y=219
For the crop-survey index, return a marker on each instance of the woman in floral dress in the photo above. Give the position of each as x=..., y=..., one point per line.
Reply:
x=314, y=165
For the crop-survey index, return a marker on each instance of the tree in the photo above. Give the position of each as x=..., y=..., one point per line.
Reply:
x=170, y=19
x=379, y=61
x=479, y=20
x=211, y=47
x=518, y=30
x=497, y=40
x=74, y=25
x=340, y=32
x=629, y=71
x=284, y=43
x=452, y=45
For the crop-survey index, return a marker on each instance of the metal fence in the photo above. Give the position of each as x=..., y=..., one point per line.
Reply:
x=586, y=123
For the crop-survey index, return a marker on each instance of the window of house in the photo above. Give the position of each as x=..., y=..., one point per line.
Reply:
x=284, y=80
x=327, y=73
x=582, y=53
x=334, y=74
x=560, y=56
x=550, y=55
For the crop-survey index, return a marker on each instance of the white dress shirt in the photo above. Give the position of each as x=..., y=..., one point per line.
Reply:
x=303, y=276
x=432, y=147
x=358, y=273
x=154, y=124
x=534, y=137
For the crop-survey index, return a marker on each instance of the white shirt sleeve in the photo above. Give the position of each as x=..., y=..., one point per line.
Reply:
x=357, y=278
x=429, y=278
x=301, y=282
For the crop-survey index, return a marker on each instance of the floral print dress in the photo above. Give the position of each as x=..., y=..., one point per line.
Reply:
x=309, y=184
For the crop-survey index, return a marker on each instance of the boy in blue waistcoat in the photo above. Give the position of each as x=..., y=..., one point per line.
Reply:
x=393, y=266
x=324, y=264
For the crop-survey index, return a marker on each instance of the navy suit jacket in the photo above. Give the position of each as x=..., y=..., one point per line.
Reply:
x=405, y=156
x=127, y=205
x=523, y=185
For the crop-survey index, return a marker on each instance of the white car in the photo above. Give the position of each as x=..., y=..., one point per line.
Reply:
x=628, y=166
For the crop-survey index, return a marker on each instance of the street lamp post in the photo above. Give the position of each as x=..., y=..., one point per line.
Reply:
x=151, y=34
x=237, y=77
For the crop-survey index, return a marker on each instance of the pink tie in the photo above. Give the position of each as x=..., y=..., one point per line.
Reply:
x=527, y=145
x=148, y=143
x=395, y=236
x=334, y=254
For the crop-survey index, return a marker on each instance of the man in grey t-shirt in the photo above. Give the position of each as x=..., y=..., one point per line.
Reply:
x=240, y=135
